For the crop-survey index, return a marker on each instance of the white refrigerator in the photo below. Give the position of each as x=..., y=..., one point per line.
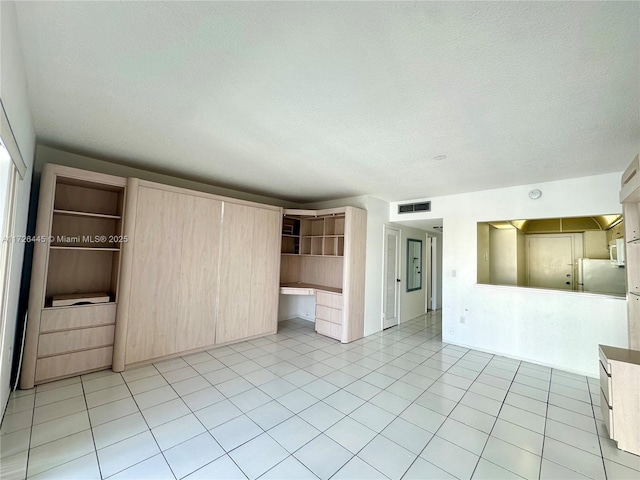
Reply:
x=601, y=276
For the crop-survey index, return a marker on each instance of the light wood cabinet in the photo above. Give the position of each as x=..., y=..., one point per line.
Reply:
x=619, y=367
x=323, y=251
x=79, y=233
x=620, y=396
x=630, y=198
x=200, y=270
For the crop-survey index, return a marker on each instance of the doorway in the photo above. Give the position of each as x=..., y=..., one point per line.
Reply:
x=391, y=278
x=550, y=261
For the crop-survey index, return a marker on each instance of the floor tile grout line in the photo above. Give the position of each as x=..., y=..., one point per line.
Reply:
x=604, y=465
x=93, y=438
x=406, y=347
x=150, y=432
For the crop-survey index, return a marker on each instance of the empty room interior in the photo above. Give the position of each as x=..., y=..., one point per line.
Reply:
x=320, y=240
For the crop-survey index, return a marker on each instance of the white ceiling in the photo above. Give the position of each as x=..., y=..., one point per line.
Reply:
x=308, y=101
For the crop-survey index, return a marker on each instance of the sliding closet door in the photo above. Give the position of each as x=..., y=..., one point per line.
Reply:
x=201, y=233
x=155, y=285
x=235, y=272
x=265, y=272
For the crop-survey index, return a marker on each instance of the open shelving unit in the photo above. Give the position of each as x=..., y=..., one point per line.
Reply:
x=318, y=236
x=80, y=214
x=323, y=253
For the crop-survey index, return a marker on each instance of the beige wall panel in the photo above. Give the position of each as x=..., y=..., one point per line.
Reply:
x=91, y=200
x=321, y=271
x=79, y=271
x=290, y=268
x=73, y=340
x=196, y=320
x=53, y=319
x=265, y=272
x=155, y=285
x=73, y=363
x=235, y=273
x=73, y=226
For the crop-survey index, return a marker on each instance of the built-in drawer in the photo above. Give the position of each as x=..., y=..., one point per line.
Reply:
x=329, y=314
x=66, y=318
x=605, y=385
x=607, y=415
x=329, y=329
x=605, y=363
x=50, y=368
x=332, y=300
x=73, y=340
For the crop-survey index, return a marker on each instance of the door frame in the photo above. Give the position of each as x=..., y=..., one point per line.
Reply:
x=386, y=228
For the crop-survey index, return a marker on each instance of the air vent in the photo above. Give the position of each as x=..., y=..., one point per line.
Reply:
x=414, y=207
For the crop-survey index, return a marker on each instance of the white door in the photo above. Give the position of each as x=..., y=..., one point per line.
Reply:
x=551, y=262
x=391, y=275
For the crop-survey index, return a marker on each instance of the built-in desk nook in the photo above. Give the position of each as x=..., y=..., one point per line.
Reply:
x=323, y=255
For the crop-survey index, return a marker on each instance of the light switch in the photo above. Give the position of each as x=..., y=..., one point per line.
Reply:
x=453, y=273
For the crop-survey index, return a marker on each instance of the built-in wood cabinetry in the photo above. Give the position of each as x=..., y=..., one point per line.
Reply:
x=199, y=270
x=78, y=237
x=620, y=395
x=323, y=254
x=174, y=270
x=620, y=367
x=630, y=198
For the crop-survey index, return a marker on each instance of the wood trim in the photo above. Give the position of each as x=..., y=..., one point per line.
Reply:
x=354, y=273
x=126, y=269
x=38, y=276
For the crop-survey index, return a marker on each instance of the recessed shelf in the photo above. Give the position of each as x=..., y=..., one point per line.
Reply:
x=76, y=213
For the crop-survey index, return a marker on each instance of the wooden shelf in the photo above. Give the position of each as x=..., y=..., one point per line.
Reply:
x=290, y=236
x=86, y=214
x=96, y=249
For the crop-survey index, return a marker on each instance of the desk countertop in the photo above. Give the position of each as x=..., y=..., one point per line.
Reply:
x=305, y=288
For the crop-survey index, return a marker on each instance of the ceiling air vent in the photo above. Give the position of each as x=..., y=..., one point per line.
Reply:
x=414, y=207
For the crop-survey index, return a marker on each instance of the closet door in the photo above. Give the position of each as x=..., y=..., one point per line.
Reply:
x=265, y=272
x=196, y=320
x=155, y=277
x=235, y=272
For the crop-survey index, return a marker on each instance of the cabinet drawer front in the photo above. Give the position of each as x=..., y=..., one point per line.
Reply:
x=73, y=363
x=329, y=314
x=52, y=320
x=605, y=363
x=329, y=329
x=605, y=386
x=607, y=414
x=74, y=340
x=332, y=300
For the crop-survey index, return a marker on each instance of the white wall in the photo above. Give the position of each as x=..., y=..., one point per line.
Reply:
x=13, y=91
x=560, y=329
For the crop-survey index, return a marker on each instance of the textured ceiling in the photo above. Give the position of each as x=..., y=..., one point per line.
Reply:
x=307, y=101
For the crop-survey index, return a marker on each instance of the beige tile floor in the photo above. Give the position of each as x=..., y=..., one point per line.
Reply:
x=296, y=405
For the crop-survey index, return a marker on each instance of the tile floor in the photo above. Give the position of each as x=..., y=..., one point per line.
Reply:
x=296, y=405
